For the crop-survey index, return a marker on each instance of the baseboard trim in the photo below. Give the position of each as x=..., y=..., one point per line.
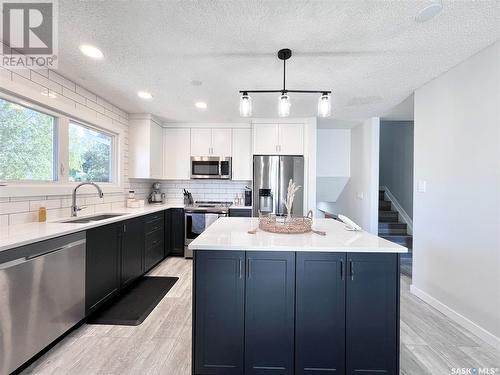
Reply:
x=457, y=317
x=404, y=216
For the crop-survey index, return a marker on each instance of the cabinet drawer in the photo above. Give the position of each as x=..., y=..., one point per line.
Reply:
x=152, y=256
x=154, y=238
x=153, y=218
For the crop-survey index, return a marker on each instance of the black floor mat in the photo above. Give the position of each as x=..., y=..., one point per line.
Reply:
x=134, y=306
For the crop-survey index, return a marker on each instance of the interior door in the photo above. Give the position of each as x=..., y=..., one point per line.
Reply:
x=201, y=141
x=265, y=139
x=291, y=168
x=221, y=142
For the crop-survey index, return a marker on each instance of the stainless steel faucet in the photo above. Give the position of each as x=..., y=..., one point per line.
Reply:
x=74, y=207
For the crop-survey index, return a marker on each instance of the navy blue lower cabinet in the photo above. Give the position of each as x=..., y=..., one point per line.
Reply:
x=269, y=312
x=372, y=314
x=320, y=313
x=218, y=312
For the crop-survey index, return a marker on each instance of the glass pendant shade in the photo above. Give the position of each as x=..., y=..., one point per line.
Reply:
x=245, y=105
x=284, y=106
x=324, y=106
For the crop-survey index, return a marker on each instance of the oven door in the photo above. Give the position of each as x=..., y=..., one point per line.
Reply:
x=205, y=167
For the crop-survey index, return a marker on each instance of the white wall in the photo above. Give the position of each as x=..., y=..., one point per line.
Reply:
x=359, y=200
x=456, y=221
x=334, y=147
x=333, y=165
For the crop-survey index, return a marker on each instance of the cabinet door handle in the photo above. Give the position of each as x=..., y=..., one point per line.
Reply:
x=351, y=269
x=124, y=228
x=249, y=268
x=241, y=268
x=341, y=269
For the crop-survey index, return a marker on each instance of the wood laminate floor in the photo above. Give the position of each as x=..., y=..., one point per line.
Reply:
x=430, y=342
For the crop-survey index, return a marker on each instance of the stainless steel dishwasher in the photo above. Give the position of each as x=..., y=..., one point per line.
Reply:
x=42, y=295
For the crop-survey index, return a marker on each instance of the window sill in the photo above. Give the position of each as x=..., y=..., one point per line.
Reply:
x=48, y=189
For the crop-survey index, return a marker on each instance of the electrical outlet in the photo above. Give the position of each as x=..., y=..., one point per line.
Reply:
x=422, y=186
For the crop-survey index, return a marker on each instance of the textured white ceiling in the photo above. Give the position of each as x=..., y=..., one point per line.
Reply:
x=371, y=54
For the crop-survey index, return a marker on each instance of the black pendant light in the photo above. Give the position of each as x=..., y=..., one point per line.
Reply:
x=324, y=102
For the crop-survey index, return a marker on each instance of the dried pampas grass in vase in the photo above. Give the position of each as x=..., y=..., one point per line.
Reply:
x=292, y=189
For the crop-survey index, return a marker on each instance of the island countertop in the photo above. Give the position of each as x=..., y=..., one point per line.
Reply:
x=231, y=233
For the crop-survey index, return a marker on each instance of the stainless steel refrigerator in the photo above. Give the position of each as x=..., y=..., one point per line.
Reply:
x=271, y=175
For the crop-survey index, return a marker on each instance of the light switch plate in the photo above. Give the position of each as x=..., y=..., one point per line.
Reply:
x=360, y=195
x=422, y=186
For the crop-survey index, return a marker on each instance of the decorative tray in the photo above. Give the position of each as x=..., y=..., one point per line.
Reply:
x=285, y=224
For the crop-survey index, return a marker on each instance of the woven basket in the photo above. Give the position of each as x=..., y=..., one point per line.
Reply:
x=283, y=224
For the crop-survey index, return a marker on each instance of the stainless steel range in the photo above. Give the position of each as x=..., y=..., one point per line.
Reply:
x=200, y=216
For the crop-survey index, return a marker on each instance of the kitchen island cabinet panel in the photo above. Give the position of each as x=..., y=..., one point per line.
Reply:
x=320, y=313
x=372, y=313
x=269, y=312
x=219, y=313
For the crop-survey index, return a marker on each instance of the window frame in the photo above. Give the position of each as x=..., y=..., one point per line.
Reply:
x=114, y=156
x=61, y=184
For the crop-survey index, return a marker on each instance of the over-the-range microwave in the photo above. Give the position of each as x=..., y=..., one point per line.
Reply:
x=214, y=167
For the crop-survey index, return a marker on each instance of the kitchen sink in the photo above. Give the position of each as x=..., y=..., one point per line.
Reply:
x=89, y=219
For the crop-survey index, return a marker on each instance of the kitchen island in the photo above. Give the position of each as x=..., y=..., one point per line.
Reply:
x=269, y=303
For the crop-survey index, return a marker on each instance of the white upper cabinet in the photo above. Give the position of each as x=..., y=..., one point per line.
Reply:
x=291, y=139
x=176, y=153
x=278, y=139
x=221, y=142
x=265, y=139
x=201, y=141
x=242, y=154
x=145, y=147
x=210, y=142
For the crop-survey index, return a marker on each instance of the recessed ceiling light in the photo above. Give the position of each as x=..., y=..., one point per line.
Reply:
x=91, y=51
x=196, y=82
x=200, y=105
x=144, y=95
x=429, y=11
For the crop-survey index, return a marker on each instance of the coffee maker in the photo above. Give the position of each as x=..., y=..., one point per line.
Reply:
x=156, y=195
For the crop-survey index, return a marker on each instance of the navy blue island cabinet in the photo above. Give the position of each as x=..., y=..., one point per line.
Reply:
x=280, y=312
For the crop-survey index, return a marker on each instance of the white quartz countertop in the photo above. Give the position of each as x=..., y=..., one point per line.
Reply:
x=231, y=233
x=23, y=234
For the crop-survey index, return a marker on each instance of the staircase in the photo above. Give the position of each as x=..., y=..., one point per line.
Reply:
x=389, y=226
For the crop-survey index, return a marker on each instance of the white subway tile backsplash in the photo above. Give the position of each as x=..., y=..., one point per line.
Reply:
x=48, y=204
x=29, y=84
x=80, y=90
x=61, y=80
x=4, y=220
x=102, y=207
x=23, y=217
x=41, y=80
x=12, y=207
x=74, y=96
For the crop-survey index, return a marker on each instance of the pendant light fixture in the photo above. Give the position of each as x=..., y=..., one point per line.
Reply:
x=284, y=104
x=245, y=105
